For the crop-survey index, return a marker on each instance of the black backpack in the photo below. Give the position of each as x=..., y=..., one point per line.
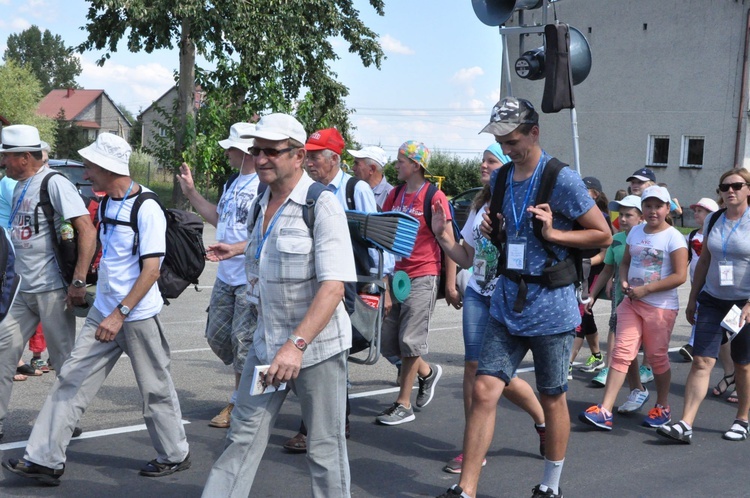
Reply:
x=66, y=255
x=9, y=280
x=427, y=213
x=556, y=273
x=185, y=257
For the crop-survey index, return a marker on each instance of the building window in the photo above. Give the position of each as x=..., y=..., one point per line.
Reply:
x=658, y=150
x=692, y=151
x=162, y=132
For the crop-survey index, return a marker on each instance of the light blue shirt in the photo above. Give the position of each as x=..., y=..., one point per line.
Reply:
x=7, y=185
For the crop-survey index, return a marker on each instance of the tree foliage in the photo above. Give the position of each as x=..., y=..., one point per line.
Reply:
x=20, y=95
x=460, y=173
x=69, y=139
x=266, y=52
x=46, y=56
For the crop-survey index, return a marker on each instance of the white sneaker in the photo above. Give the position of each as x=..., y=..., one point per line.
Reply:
x=635, y=401
x=646, y=374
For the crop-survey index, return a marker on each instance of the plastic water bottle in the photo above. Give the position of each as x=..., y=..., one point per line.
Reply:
x=68, y=247
x=370, y=294
x=66, y=231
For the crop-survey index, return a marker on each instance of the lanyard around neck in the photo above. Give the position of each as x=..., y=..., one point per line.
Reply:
x=117, y=214
x=518, y=217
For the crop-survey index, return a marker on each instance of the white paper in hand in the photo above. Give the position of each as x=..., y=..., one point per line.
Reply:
x=731, y=322
x=259, y=382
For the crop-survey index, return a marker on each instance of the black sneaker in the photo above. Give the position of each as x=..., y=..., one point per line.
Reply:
x=676, y=432
x=452, y=492
x=154, y=468
x=45, y=475
x=545, y=494
x=427, y=386
x=686, y=352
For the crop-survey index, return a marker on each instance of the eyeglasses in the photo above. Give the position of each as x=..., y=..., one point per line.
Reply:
x=724, y=187
x=268, y=151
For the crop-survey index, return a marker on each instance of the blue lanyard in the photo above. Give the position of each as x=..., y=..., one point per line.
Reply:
x=228, y=203
x=18, y=204
x=268, y=231
x=517, y=218
x=403, y=195
x=725, y=242
x=117, y=215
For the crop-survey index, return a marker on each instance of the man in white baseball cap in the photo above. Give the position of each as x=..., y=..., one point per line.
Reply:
x=44, y=296
x=368, y=166
x=231, y=318
x=123, y=319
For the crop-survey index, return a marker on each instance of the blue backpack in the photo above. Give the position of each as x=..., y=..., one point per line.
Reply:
x=9, y=279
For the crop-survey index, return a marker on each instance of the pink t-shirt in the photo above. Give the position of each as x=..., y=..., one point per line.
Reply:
x=426, y=257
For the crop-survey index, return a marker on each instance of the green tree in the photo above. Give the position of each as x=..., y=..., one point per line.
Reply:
x=47, y=56
x=69, y=139
x=20, y=95
x=460, y=173
x=265, y=51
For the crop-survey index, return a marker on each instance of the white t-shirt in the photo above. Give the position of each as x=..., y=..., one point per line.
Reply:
x=650, y=261
x=695, y=247
x=233, y=208
x=121, y=265
x=484, y=277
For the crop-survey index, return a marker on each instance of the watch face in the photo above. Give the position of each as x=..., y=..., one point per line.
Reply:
x=300, y=343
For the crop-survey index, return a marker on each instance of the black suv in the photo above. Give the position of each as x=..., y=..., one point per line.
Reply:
x=73, y=171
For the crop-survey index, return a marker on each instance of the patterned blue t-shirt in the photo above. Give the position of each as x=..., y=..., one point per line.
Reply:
x=547, y=311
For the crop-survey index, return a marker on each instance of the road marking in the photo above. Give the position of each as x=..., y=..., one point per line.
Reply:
x=88, y=435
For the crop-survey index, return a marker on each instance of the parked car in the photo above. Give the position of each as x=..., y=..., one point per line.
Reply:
x=73, y=171
x=462, y=205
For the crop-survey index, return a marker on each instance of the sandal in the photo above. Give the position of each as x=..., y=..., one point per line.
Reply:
x=723, y=385
x=738, y=431
x=155, y=468
x=732, y=398
x=297, y=444
x=27, y=369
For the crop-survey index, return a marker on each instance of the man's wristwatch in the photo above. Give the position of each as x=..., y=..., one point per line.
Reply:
x=79, y=284
x=123, y=309
x=298, y=342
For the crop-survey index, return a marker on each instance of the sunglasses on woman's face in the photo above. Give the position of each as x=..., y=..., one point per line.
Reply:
x=724, y=187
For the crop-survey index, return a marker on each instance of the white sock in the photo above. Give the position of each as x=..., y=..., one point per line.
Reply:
x=552, y=473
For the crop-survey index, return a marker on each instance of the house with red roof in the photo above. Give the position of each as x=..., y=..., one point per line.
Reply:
x=93, y=111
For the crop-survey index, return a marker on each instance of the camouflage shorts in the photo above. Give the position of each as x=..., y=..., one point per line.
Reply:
x=231, y=324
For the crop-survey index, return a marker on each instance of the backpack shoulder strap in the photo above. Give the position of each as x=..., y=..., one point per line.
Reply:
x=45, y=203
x=229, y=182
x=691, y=236
x=351, y=185
x=139, y=200
x=498, y=196
x=427, y=208
x=546, y=186
x=308, y=210
x=712, y=221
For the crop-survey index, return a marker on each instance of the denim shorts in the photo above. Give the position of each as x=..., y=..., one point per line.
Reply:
x=476, y=314
x=710, y=335
x=502, y=353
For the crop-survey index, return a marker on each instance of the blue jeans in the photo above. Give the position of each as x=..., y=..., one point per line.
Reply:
x=475, y=317
x=502, y=353
x=710, y=335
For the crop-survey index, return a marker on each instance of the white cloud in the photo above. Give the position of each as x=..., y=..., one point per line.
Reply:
x=467, y=75
x=19, y=24
x=393, y=46
x=134, y=87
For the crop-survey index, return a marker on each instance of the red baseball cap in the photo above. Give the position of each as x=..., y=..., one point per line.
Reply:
x=330, y=139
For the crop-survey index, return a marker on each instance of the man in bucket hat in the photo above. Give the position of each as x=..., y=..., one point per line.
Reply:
x=124, y=319
x=231, y=318
x=44, y=296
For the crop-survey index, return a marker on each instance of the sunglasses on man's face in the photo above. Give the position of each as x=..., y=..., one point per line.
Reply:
x=724, y=187
x=268, y=151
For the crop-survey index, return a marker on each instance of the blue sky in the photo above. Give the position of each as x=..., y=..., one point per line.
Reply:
x=437, y=84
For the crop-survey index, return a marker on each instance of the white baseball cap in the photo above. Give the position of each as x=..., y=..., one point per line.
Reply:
x=109, y=152
x=278, y=126
x=630, y=201
x=370, y=152
x=239, y=137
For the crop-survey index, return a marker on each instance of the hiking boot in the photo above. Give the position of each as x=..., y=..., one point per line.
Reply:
x=593, y=364
x=396, y=414
x=646, y=374
x=538, y=493
x=596, y=416
x=658, y=415
x=455, y=465
x=222, y=419
x=738, y=431
x=686, y=352
x=39, y=364
x=45, y=475
x=635, y=401
x=542, y=432
x=454, y=491
x=601, y=378
x=154, y=468
x=676, y=432
x=427, y=386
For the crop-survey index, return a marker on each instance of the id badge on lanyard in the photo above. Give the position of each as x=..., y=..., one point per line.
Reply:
x=726, y=273
x=516, y=253
x=480, y=270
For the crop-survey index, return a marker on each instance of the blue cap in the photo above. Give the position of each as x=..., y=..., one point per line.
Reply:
x=643, y=174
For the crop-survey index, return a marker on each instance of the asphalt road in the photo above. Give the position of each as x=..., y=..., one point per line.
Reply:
x=401, y=461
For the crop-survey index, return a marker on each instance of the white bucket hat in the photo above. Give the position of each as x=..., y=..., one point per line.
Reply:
x=239, y=137
x=22, y=138
x=371, y=152
x=109, y=152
